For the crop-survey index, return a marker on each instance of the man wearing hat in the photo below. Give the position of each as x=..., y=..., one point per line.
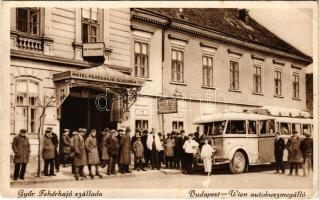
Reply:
x=92, y=153
x=65, y=146
x=21, y=149
x=55, y=142
x=80, y=159
x=48, y=153
x=112, y=145
x=154, y=145
x=189, y=147
x=104, y=155
x=125, y=151
x=279, y=147
x=134, y=138
x=294, y=154
x=306, y=148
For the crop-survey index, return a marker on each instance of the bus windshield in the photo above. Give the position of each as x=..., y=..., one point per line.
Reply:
x=214, y=128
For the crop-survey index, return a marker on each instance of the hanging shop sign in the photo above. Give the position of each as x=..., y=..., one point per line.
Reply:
x=93, y=49
x=62, y=92
x=167, y=105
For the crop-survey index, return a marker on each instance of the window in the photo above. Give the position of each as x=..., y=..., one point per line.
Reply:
x=178, y=125
x=306, y=128
x=26, y=110
x=28, y=20
x=257, y=79
x=252, y=127
x=266, y=126
x=208, y=71
x=234, y=75
x=278, y=83
x=236, y=127
x=141, y=124
x=141, y=68
x=214, y=128
x=295, y=85
x=90, y=25
x=177, y=66
x=296, y=127
x=285, y=128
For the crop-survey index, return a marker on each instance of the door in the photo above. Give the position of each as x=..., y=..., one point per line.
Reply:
x=266, y=138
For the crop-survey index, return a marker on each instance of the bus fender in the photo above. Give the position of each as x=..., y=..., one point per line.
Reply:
x=232, y=152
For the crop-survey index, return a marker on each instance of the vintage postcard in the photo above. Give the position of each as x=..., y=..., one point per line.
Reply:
x=211, y=100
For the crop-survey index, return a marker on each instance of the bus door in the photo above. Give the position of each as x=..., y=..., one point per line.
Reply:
x=266, y=137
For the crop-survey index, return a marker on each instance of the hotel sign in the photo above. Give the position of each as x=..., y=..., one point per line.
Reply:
x=167, y=105
x=126, y=80
x=93, y=49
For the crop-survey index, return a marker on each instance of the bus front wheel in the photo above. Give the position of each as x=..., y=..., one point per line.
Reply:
x=238, y=164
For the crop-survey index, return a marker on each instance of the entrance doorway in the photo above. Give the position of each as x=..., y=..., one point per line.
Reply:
x=79, y=110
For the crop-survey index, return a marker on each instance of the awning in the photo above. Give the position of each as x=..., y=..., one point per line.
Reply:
x=308, y=69
x=281, y=112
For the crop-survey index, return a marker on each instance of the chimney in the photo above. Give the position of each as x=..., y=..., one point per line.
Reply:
x=243, y=15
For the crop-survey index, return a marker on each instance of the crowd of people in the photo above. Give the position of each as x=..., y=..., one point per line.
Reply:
x=151, y=150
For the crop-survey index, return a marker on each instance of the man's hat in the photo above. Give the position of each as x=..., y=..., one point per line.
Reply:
x=106, y=130
x=74, y=132
x=307, y=134
x=23, y=130
x=66, y=130
x=294, y=131
x=120, y=130
x=128, y=129
x=113, y=131
x=93, y=130
x=49, y=128
x=138, y=136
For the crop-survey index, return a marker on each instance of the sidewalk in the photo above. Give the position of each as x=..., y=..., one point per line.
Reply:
x=65, y=174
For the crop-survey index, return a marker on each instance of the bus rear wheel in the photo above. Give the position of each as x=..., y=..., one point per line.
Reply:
x=238, y=164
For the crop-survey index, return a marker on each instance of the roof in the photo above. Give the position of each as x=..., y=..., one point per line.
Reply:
x=280, y=111
x=294, y=120
x=226, y=21
x=229, y=116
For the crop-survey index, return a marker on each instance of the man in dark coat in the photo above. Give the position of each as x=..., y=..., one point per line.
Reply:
x=119, y=136
x=80, y=159
x=112, y=145
x=66, y=146
x=21, y=149
x=55, y=142
x=48, y=153
x=279, y=145
x=294, y=154
x=134, y=138
x=125, y=151
x=178, y=150
x=147, y=153
x=306, y=148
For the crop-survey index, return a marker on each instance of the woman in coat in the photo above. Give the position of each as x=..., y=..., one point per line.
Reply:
x=92, y=153
x=21, y=149
x=125, y=151
x=48, y=153
x=206, y=155
x=294, y=154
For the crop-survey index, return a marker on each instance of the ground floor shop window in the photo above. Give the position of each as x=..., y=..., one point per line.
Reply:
x=178, y=125
x=141, y=124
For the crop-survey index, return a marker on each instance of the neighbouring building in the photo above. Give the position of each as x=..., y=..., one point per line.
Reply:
x=163, y=66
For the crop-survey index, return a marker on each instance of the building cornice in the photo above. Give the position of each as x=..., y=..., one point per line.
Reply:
x=61, y=61
x=183, y=26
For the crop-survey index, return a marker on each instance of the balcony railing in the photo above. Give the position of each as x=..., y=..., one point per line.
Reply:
x=24, y=41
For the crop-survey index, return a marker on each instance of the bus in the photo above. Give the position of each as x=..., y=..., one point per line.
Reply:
x=244, y=139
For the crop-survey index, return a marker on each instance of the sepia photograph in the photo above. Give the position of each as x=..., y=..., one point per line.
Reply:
x=162, y=100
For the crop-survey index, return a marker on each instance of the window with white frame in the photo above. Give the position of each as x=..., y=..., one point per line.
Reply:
x=141, y=124
x=26, y=105
x=208, y=70
x=278, y=82
x=178, y=125
x=90, y=25
x=295, y=85
x=141, y=59
x=234, y=75
x=177, y=66
x=257, y=79
x=28, y=20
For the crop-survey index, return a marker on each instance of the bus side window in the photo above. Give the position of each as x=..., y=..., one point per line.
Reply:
x=296, y=127
x=236, y=127
x=306, y=128
x=284, y=129
x=251, y=127
x=266, y=126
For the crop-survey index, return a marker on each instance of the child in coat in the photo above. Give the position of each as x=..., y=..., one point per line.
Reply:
x=207, y=154
x=138, y=149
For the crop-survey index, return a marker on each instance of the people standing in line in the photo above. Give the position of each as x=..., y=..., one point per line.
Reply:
x=125, y=151
x=294, y=154
x=138, y=149
x=306, y=148
x=169, y=151
x=55, y=142
x=279, y=147
x=113, y=146
x=134, y=138
x=190, y=146
x=207, y=153
x=66, y=146
x=92, y=154
x=154, y=145
x=80, y=159
x=21, y=150
x=178, y=150
x=104, y=151
x=147, y=153
x=48, y=153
